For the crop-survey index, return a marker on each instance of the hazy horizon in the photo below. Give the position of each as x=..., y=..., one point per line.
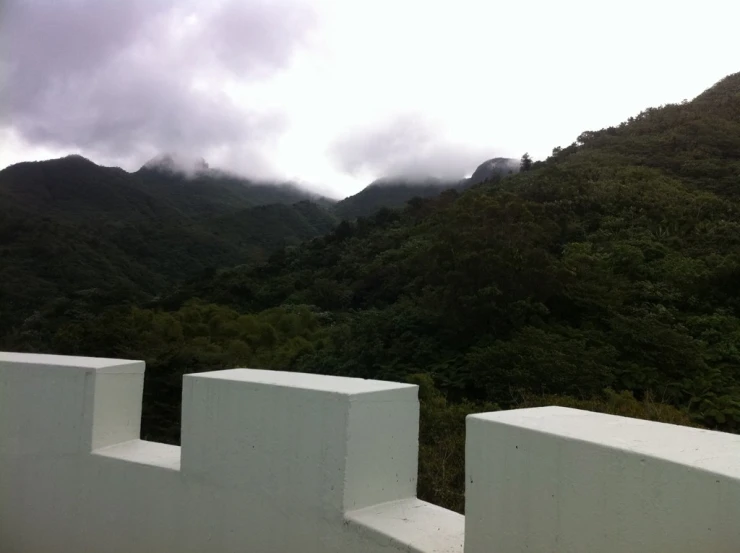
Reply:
x=336, y=94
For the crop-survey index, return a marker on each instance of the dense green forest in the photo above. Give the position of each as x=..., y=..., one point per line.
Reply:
x=69, y=227
x=606, y=277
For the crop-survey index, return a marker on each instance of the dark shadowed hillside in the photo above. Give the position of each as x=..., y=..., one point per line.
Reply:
x=75, y=189
x=390, y=193
x=213, y=193
x=68, y=225
x=267, y=228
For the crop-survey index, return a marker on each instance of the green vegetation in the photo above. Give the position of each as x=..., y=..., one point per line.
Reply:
x=68, y=225
x=391, y=193
x=604, y=278
x=395, y=193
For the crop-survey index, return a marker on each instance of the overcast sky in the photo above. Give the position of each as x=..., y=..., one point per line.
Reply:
x=339, y=92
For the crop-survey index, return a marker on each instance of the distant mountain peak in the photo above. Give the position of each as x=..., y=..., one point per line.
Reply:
x=176, y=163
x=71, y=159
x=404, y=180
x=492, y=167
x=76, y=157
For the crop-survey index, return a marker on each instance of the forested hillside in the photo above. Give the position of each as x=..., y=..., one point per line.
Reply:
x=605, y=277
x=615, y=263
x=390, y=193
x=68, y=226
x=214, y=193
x=396, y=192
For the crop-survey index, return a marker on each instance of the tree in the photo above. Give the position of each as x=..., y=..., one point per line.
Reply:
x=526, y=163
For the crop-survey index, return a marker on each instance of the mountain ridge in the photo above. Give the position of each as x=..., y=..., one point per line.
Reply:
x=395, y=192
x=211, y=190
x=611, y=265
x=69, y=224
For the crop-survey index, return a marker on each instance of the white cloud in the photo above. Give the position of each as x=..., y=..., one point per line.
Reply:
x=297, y=89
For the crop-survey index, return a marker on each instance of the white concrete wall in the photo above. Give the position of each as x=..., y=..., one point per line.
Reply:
x=270, y=462
x=562, y=480
x=280, y=462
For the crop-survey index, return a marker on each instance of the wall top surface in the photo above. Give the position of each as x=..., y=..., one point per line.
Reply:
x=695, y=447
x=304, y=381
x=62, y=361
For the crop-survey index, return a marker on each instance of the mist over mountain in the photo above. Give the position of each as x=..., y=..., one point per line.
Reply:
x=69, y=225
x=390, y=192
x=108, y=229
x=192, y=185
x=175, y=163
x=498, y=166
x=395, y=192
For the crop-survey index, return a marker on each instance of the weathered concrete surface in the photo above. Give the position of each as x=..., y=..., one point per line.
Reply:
x=554, y=479
x=270, y=462
x=275, y=462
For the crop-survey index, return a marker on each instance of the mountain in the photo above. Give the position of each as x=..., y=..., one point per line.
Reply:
x=213, y=192
x=390, y=193
x=395, y=192
x=177, y=164
x=611, y=265
x=68, y=225
x=75, y=189
x=195, y=188
x=498, y=166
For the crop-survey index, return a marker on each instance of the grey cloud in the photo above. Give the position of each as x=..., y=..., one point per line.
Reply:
x=49, y=43
x=113, y=77
x=405, y=146
x=266, y=32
